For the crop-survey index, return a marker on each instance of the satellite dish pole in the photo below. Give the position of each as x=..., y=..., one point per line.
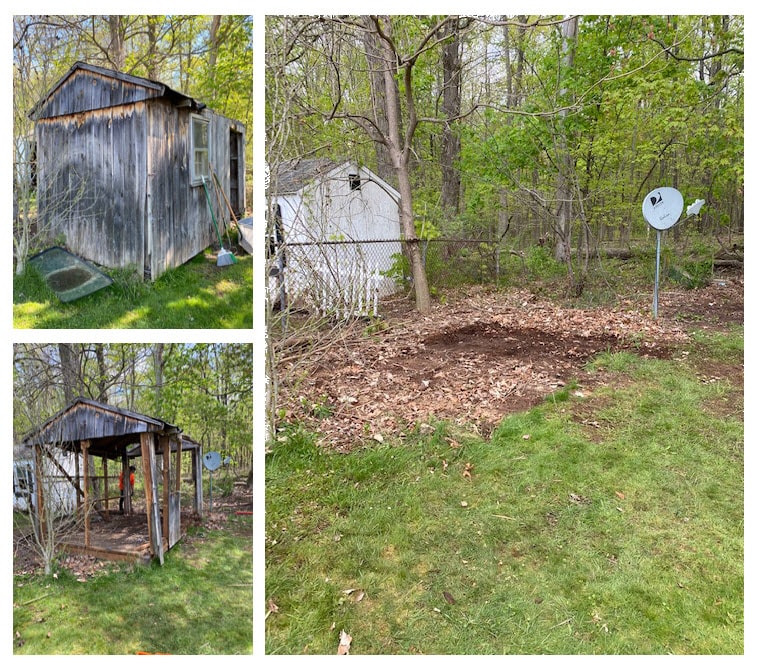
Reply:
x=212, y=461
x=661, y=209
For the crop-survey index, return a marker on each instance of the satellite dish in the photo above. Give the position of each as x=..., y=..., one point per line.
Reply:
x=212, y=460
x=662, y=207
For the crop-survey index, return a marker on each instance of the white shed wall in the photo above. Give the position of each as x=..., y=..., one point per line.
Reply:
x=351, y=276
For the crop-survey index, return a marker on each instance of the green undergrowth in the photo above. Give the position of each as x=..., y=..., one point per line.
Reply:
x=607, y=522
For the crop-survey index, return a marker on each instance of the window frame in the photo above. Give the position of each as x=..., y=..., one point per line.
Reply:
x=196, y=179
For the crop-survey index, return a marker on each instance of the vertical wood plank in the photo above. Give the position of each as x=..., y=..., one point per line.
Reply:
x=197, y=475
x=165, y=444
x=106, y=488
x=147, y=448
x=85, y=444
x=178, y=466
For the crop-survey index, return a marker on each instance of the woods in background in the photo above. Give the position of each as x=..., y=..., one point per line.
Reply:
x=206, y=389
x=520, y=130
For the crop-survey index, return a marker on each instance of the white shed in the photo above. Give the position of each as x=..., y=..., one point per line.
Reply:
x=337, y=235
x=61, y=494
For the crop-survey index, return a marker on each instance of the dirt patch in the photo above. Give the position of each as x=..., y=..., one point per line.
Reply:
x=130, y=532
x=479, y=358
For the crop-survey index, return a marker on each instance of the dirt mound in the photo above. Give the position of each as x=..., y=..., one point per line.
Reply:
x=480, y=358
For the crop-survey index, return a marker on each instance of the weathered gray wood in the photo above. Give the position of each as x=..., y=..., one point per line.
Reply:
x=165, y=448
x=114, y=169
x=175, y=519
x=197, y=473
x=85, y=459
x=147, y=444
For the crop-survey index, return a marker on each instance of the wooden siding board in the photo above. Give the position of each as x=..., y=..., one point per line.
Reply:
x=182, y=226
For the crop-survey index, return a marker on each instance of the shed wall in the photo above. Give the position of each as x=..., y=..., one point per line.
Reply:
x=114, y=174
x=92, y=172
x=322, y=268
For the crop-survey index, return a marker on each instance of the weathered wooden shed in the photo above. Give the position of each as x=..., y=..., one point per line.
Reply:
x=88, y=428
x=120, y=167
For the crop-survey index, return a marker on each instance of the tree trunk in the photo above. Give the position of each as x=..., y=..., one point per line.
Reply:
x=564, y=184
x=116, y=47
x=400, y=150
x=378, y=112
x=451, y=142
x=158, y=373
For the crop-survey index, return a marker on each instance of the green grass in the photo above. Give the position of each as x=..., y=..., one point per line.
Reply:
x=605, y=524
x=198, y=602
x=197, y=294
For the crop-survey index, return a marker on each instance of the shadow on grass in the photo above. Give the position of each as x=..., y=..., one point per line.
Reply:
x=196, y=295
x=199, y=602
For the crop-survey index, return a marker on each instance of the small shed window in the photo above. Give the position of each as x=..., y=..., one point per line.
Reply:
x=199, y=148
x=23, y=480
x=354, y=179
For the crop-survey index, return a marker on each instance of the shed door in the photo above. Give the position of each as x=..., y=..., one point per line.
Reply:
x=235, y=176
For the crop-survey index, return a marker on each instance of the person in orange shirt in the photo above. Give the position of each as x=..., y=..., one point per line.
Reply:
x=122, y=496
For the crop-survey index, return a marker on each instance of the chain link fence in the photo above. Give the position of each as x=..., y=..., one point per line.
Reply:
x=348, y=278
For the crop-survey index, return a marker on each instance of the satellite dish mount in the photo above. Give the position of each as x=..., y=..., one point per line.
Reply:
x=661, y=209
x=211, y=461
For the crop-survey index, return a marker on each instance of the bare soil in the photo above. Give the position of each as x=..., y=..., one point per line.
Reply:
x=130, y=533
x=481, y=357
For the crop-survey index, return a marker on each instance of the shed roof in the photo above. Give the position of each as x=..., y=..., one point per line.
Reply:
x=293, y=175
x=153, y=88
x=108, y=428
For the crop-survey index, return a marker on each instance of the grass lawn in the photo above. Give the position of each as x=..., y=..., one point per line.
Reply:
x=198, y=602
x=605, y=521
x=197, y=294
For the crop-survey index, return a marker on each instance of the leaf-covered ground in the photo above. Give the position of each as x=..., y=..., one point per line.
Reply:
x=481, y=357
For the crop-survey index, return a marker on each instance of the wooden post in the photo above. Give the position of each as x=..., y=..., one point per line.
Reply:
x=178, y=467
x=106, y=491
x=165, y=443
x=197, y=476
x=85, y=444
x=147, y=447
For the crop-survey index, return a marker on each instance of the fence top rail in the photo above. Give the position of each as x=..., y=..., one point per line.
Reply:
x=338, y=242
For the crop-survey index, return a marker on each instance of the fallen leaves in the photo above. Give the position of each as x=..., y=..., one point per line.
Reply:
x=344, y=646
x=475, y=360
x=271, y=608
x=354, y=595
